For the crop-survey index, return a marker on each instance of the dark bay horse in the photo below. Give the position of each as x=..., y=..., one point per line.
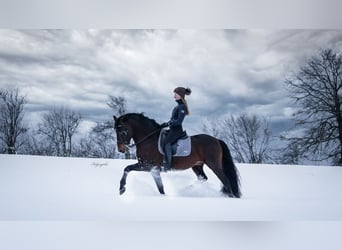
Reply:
x=205, y=149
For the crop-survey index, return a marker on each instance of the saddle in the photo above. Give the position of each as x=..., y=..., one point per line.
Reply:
x=182, y=147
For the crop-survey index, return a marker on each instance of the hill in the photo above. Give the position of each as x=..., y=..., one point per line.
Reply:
x=39, y=189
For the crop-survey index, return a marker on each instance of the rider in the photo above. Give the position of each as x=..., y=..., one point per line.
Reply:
x=175, y=124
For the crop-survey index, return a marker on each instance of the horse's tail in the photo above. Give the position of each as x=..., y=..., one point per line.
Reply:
x=230, y=171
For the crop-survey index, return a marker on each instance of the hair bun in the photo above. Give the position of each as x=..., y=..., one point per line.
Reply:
x=187, y=91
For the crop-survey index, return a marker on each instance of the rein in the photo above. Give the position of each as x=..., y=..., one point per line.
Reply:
x=145, y=138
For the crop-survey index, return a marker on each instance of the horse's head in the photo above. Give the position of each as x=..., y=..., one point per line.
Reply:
x=123, y=133
x=136, y=126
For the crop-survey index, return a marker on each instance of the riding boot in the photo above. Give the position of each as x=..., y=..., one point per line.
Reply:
x=167, y=157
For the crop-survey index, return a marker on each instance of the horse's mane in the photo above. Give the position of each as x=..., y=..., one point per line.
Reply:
x=140, y=117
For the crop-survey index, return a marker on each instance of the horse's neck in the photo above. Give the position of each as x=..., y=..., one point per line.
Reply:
x=141, y=133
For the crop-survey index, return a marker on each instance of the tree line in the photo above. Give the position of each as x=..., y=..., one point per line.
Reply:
x=55, y=133
x=315, y=89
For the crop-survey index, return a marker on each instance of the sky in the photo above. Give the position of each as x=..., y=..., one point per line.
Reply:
x=230, y=71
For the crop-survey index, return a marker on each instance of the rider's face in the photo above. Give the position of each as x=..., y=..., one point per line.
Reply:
x=177, y=97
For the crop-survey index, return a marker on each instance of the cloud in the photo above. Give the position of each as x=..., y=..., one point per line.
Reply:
x=229, y=71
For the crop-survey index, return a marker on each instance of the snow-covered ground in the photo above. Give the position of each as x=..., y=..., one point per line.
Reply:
x=51, y=196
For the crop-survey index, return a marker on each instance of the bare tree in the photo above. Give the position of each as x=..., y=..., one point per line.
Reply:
x=248, y=137
x=118, y=105
x=59, y=126
x=11, y=118
x=211, y=128
x=103, y=133
x=102, y=138
x=289, y=154
x=317, y=89
x=36, y=144
x=94, y=146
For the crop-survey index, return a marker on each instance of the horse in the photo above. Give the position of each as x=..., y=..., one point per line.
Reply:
x=205, y=149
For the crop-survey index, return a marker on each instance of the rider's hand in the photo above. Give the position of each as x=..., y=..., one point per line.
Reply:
x=164, y=125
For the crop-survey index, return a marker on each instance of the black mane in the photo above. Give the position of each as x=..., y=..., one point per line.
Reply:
x=141, y=117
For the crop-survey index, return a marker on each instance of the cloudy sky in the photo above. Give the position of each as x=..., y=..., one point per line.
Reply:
x=229, y=71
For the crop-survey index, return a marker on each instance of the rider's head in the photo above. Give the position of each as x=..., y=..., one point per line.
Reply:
x=182, y=91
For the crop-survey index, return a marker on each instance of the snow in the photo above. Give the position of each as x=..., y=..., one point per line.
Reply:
x=48, y=201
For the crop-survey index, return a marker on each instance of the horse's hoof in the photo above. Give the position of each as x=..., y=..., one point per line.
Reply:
x=122, y=190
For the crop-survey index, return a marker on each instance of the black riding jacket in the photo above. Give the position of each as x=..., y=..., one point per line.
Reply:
x=178, y=114
x=175, y=123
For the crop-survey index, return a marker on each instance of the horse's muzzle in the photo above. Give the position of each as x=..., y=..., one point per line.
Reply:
x=122, y=148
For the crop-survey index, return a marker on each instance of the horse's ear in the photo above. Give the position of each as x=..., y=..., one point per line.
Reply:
x=115, y=118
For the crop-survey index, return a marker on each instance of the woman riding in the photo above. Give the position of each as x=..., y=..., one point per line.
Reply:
x=175, y=124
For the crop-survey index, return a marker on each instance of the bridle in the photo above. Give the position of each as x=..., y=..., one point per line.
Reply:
x=123, y=131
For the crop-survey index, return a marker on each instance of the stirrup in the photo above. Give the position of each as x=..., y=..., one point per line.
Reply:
x=165, y=167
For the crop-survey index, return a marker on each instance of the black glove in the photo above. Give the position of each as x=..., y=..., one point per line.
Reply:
x=164, y=125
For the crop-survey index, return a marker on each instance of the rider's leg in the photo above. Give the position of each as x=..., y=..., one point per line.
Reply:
x=167, y=157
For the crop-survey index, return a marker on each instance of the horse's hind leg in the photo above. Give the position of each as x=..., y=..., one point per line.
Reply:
x=218, y=171
x=198, y=170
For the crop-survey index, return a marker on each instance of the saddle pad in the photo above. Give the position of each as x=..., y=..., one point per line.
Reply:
x=183, y=146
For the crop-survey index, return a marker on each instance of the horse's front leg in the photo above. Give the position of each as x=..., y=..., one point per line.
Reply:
x=155, y=171
x=134, y=167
